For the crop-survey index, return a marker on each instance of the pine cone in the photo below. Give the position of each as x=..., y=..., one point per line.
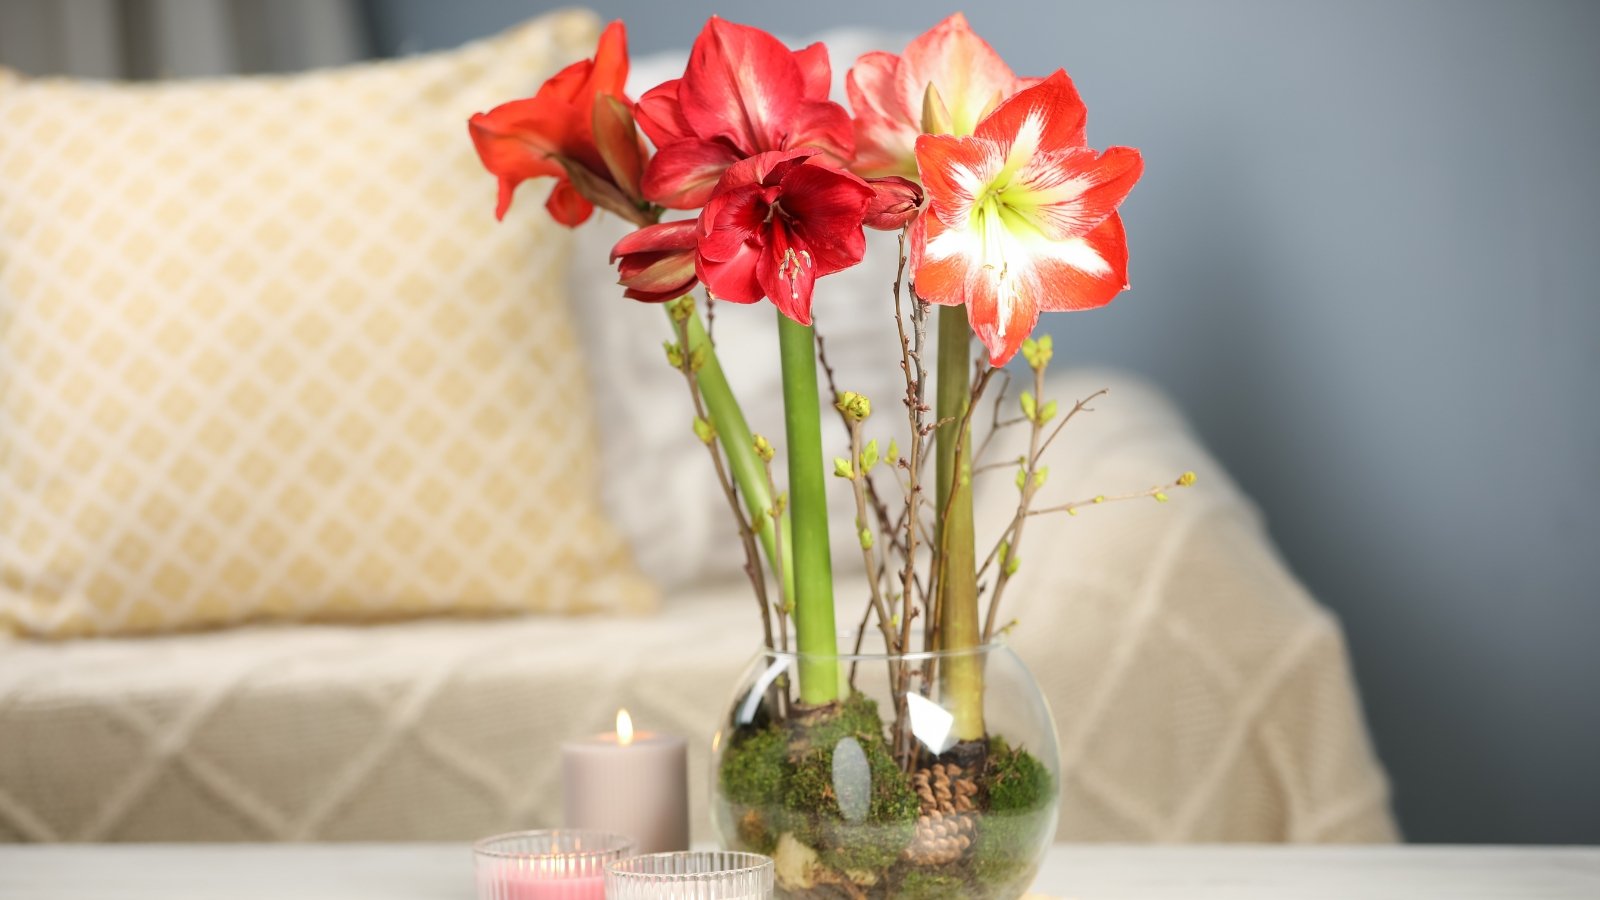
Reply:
x=947, y=823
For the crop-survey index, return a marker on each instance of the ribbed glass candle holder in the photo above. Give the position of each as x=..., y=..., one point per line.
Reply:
x=695, y=875
x=560, y=864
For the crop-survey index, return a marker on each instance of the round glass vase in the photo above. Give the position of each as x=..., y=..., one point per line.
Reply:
x=931, y=775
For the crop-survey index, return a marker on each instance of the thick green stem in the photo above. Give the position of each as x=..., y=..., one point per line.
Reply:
x=958, y=580
x=815, y=636
x=747, y=469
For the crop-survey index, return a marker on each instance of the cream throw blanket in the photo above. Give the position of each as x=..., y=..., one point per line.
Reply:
x=1199, y=692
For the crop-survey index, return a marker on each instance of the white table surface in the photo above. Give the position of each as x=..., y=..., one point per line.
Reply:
x=443, y=872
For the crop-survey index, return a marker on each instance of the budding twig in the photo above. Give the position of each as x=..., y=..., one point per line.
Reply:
x=1030, y=463
x=879, y=508
x=864, y=459
x=1157, y=493
x=1031, y=482
x=775, y=516
x=911, y=348
x=684, y=359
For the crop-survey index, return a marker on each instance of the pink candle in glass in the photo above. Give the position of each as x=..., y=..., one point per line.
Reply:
x=547, y=865
x=628, y=782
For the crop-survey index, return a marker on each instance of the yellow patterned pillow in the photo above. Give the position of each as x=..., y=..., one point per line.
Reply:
x=265, y=353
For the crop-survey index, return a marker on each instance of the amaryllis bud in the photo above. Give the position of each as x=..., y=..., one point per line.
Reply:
x=656, y=263
x=617, y=139
x=895, y=202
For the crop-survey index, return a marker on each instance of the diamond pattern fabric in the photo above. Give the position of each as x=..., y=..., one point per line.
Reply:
x=266, y=354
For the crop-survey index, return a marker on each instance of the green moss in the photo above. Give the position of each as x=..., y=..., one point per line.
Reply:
x=1017, y=818
x=923, y=884
x=780, y=778
x=753, y=768
x=1017, y=780
x=755, y=832
x=857, y=717
x=810, y=799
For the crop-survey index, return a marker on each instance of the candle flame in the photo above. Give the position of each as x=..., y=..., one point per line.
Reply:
x=624, y=728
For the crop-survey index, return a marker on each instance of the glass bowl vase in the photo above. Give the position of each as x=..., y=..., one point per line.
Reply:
x=929, y=774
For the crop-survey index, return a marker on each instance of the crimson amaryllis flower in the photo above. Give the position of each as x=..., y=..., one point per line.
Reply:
x=1022, y=217
x=777, y=222
x=743, y=93
x=656, y=263
x=578, y=128
x=948, y=79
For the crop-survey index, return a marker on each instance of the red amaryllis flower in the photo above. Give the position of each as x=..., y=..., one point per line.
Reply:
x=656, y=263
x=743, y=93
x=1022, y=217
x=578, y=128
x=948, y=75
x=777, y=222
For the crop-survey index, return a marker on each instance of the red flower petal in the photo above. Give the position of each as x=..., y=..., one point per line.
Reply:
x=659, y=238
x=871, y=86
x=531, y=138
x=512, y=144
x=765, y=168
x=682, y=175
x=826, y=126
x=815, y=70
x=1048, y=116
x=955, y=171
x=567, y=206
x=566, y=86
x=1002, y=313
x=610, y=75
x=1067, y=194
x=943, y=280
x=660, y=115
x=733, y=218
x=1086, y=272
x=733, y=279
x=968, y=73
x=826, y=206
x=787, y=271
x=884, y=129
x=742, y=83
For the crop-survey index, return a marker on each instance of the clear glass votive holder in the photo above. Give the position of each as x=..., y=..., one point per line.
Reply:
x=691, y=875
x=557, y=864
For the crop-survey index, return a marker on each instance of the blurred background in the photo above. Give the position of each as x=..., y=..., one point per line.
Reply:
x=1364, y=261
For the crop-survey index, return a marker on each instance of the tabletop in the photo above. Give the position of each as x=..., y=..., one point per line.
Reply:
x=1092, y=872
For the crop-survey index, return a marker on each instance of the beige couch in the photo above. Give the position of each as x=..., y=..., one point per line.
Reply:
x=1199, y=692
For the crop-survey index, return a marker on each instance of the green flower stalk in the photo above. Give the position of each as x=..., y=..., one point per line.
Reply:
x=958, y=574
x=728, y=423
x=815, y=636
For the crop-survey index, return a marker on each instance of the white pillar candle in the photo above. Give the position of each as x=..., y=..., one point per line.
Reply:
x=632, y=783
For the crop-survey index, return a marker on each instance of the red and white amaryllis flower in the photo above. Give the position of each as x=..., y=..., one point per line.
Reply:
x=1022, y=217
x=776, y=223
x=577, y=128
x=949, y=76
x=743, y=93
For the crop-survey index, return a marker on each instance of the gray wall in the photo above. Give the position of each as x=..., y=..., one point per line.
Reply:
x=1365, y=261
